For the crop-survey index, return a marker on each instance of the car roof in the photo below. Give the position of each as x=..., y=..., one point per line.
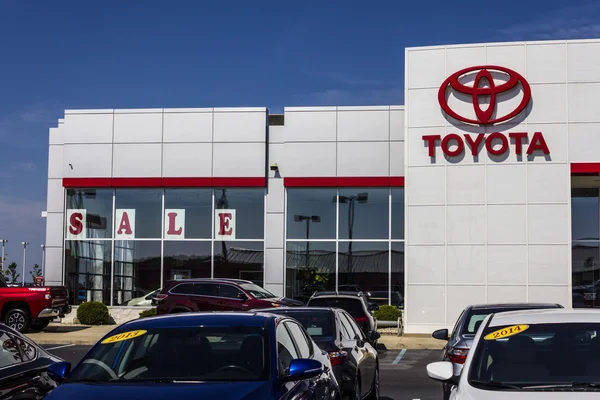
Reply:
x=217, y=280
x=514, y=305
x=338, y=294
x=194, y=319
x=300, y=309
x=547, y=316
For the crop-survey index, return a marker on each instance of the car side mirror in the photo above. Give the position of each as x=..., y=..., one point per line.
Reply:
x=373, y=335
x=59, y=371
x=242, y=296
x=442, y=371
x=303, y=368
x=440, y=334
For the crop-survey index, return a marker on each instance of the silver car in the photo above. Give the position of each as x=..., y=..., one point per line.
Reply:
x=461, y=339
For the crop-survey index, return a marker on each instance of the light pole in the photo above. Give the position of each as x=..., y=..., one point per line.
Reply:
x=308, y=219
x=43, y=259
x=361, y=198
x=24, y=259
x=4, y=241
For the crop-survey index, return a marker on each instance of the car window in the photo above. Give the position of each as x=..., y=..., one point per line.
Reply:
x=257, y=291
x=229, y=291
x=28, y=351
x=455, y=329
x=317, y=323
x=347, y=330
x=477, y=315
x=9, y=351
x=304, y=344
x=183, y=288
x=285, y=349
x=206, y=289
x=353, y=306
x=355, y=327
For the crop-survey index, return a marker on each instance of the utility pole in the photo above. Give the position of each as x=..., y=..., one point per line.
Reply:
x=24, y=259
x=4, y=241
x=43, y=260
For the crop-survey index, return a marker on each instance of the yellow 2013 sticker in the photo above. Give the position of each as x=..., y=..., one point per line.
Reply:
x=506, y=332
x=123, y=336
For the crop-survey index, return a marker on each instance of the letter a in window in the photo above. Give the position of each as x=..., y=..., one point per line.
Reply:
x=125, y=224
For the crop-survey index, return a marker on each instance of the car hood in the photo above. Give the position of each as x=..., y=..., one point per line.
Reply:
x=472, y=393
x=288, y=302
x=156, y=391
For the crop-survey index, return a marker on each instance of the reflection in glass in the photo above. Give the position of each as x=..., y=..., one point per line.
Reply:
x=137, y=269
x=197, y=206
x=584, y=214
x=240, y=260
x=363, y=266
x=98, y=205
x=183, y=260
x=364, y=214
x=586, y=274
x=397, y=278
x=249, y=206
x=87, y=270
x=311, y=203
x=309, y=268
x=398, y=213
x=147, y=204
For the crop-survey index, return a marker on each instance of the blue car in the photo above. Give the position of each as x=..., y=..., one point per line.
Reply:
x=201, y=356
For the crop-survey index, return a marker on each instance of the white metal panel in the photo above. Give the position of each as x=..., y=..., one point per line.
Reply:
x=506, y=224
x=424, y=109
x=55, y=161
x=548, y=183
x=583, y=105
x=188, y=127
x=548, y=223
x=55, y=196
x=54, y=264
x=276, y=196
x=584, y=62
x=54, y=229
x=87, y=160
x=275, y=231
x=88, y=128
x=550, y=294
x=584, y=142
x=426, y=304
x=506, y=183
x=465, y=224
x=396, y=124
x=418, y=151
x=557, y=140
x=549, y=264
x=363, y=125
x=465, y=264
x=277, y=156
x=465, y=184
x=504, y=294
x=240, y=127
x=396, y=158
x=138, y=127
x=56, y=135
x=549, y=104
x=310, y=159
x=459, y=297
x=275, y=288
x=507, y=265
x=426, y=225
x=137, y=160
x=426, y=69
x=274, y=267
x=509, y=56
x=425, y=264
x=277, y=133
x=310, y=126
x=426, y=185
x=187, y=160
x=363, y=158
x=458, y=58
x=546, y=63
x=239, y=159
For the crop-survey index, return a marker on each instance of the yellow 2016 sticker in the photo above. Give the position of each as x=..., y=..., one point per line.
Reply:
x=506, y=332
x=123, y=336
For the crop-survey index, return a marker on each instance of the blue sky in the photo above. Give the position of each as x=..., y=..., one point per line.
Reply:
x=136, y=54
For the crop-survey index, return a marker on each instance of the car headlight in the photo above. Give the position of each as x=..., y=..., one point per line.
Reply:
x=276, y=305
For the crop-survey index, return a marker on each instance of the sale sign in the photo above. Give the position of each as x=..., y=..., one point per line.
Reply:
x=125, y=224
x=76, y=224
x=225, y=224
x=174, y=223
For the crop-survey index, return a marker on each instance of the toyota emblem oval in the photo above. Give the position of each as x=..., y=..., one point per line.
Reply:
x=484, y=74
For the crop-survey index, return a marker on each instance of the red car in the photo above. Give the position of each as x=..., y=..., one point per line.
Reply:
x=188, y=295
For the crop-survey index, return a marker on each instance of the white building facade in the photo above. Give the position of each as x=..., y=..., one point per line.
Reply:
x=482, y=188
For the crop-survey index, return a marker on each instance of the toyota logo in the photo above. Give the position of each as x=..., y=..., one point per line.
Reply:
x=484, y=117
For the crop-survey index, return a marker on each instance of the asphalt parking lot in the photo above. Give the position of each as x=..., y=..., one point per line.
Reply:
x=403, y=375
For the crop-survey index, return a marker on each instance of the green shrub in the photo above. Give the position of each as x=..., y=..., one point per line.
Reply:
x=148, y=313
x=387, y=313
x=92, y=313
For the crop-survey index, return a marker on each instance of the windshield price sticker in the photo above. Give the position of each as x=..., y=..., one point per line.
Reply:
x=123, y=336
x=506, y=332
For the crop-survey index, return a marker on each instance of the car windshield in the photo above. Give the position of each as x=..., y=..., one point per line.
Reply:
x=352, y=306
x=257, y=291
x=235, y=353
x=537, y=356
x=478, y=315
x=318, y=324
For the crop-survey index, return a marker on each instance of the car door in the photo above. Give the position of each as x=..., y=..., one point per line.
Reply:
x=21, y=376
x=230, y=298
x=286, y=352
x=207, y=297
x=365, y=360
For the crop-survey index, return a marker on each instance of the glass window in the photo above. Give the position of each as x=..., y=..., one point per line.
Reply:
x=138, y=213
x=304, y=346
x=317, y=323
x=187, y=259
x=137, y=269
x=586, y=274
x=398, y=213
x=310, y=267
x=184, y=288
x=311, y=212
x=363, y=266
x=197, y=219
x=97, y=204
x=347, y=330
x=207, y=289
x=173, y=353
x=249, y=207
x=87, y=270
x=27, y=349
x=285, y=349
x=354, y=306
x=229, y=291
x=357, y=331
x=584, y=214
x=239, y=260
x=397, y=278
x=364, y=213
x=9, y=351
x=257, y=291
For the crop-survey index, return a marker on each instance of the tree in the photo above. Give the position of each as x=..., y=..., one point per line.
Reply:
x=37, y=271
x=11, y=272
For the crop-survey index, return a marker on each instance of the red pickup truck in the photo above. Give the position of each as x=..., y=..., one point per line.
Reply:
x=32, y=307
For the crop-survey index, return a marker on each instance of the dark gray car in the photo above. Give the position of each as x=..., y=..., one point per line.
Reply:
x=461, y=339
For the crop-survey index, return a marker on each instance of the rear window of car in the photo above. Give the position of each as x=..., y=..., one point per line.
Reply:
x=352, y=306
x=476, y=316
x=317, y=323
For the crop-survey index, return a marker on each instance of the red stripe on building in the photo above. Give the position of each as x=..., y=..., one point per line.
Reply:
x=136, y=182
x=310, y=182
x=186, y=182
x=346, y=181
x=585, y=168
x=239, y=182
x=163, y=182
x=87, y=182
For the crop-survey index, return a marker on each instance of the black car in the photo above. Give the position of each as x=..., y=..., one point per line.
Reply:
x=23, y=367
x=355, y=361
x=354, y=303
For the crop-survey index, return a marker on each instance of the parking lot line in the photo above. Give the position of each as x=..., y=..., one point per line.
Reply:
x=59, y=347
x=399, y=357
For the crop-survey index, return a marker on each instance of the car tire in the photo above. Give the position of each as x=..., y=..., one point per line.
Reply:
x=18, y=319
x=40, y=324
x=374, y=395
